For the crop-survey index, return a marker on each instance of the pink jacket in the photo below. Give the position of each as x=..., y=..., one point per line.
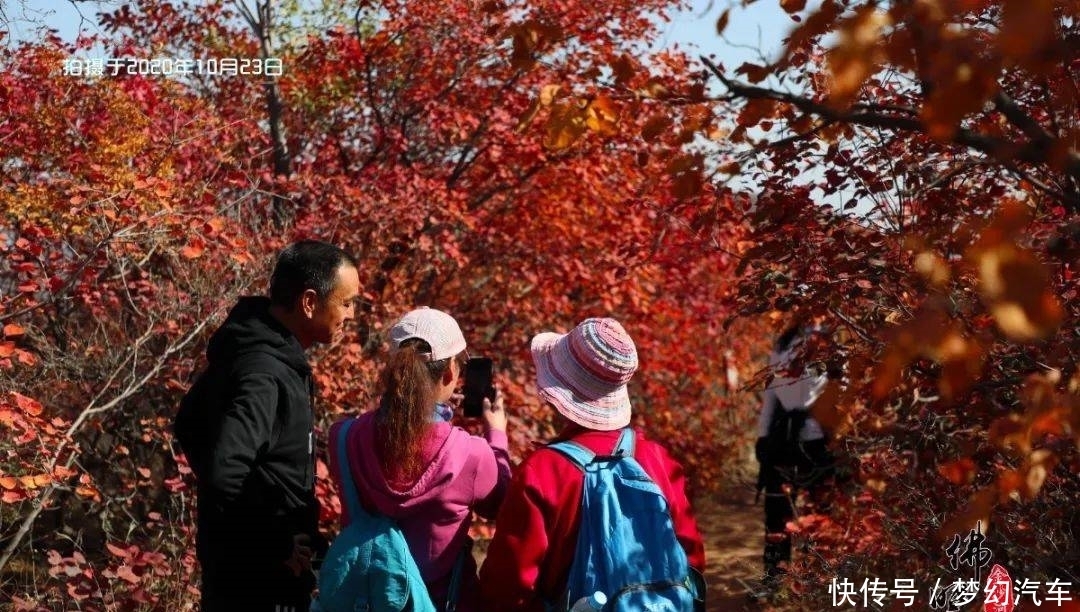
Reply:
x=464, y=473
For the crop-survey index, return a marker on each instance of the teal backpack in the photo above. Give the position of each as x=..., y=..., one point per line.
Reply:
x=626, y=547
x=368, y=566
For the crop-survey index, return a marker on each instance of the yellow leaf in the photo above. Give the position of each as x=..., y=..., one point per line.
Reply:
x=564, y=127
x=933, y=268
x=856, y=55
x=548, y=94
x=600, y=116
x=1016, y=287
x=33, y=482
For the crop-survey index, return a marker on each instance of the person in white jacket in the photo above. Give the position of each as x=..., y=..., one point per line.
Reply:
x=791, y=447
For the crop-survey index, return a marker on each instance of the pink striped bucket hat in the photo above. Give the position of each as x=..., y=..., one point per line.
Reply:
x=584, y=373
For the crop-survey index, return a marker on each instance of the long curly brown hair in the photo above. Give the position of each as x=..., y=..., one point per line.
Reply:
x=405, y=408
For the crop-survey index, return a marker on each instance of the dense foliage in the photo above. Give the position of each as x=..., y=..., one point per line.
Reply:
x=480, y=158
x=909, y=172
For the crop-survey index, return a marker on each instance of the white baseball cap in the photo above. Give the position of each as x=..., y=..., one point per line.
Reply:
x=435, y=327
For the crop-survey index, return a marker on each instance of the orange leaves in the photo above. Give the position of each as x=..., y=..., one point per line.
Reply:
x=1028, y=31
x=857, y=54
x=194, y=249
x=686, y=175
x=1024, y=483
x=27, y=405
x=756, y=110
x=754, y=73
x=530, y=39
x=933, y=268
x=826, y=410
x=9, y=348
x=30, y=471
x=959, y=471
x=1013, y=283
x=35, y=481
x=1047, y=412
x=932, y=335
x=655, y=126
x=1015, y=288
x=571, y=119
x=565, y=125
x=601, y=116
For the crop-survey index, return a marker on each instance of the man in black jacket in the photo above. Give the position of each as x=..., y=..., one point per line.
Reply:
x=246, y=427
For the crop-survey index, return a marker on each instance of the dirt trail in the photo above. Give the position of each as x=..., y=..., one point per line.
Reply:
x=733, y=532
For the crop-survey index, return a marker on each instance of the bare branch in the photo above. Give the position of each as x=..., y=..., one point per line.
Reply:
x=133, y=387
x=1035, y=151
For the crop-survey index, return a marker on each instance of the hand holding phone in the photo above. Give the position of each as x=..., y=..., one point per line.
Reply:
x=478, y=385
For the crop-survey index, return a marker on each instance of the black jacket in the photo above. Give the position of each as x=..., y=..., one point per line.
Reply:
x=246, y=427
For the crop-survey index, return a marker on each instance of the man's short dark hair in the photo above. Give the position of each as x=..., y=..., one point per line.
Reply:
x=308, y=264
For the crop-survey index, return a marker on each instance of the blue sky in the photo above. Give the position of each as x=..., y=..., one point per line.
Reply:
x=762, y=25
x=751, y=31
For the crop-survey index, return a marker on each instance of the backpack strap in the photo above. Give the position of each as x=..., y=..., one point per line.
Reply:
x=576, y=453
x=349, y=495
x=627, y=441
x=454, y=592
x=582, y=456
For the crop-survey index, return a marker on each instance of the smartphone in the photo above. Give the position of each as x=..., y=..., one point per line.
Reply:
x=478, y=385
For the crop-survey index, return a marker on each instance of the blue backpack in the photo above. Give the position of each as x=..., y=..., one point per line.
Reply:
x=626, y=545
x=369, y=566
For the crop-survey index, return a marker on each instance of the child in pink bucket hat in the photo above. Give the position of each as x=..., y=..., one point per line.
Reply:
x=583, y=375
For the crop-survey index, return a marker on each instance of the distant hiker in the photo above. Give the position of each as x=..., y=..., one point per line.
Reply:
x=410, y=464
x=791, y=447
x=247, y=429
x=535, y=561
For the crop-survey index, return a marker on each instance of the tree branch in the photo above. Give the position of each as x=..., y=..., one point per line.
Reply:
x=133, y=387
x=1035, y=151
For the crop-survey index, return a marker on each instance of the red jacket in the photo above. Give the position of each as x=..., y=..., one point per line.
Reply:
x=528, y=561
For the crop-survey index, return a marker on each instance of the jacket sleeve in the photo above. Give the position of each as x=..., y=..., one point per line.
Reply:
x=682, y=515
x=245, y=431
x=766, y=415
x=508, y=578
x=492, y=472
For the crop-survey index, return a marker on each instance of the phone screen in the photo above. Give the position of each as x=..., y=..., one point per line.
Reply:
x=478, y=385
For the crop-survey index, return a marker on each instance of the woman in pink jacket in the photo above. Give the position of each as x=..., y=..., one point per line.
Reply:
x=410, y=464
